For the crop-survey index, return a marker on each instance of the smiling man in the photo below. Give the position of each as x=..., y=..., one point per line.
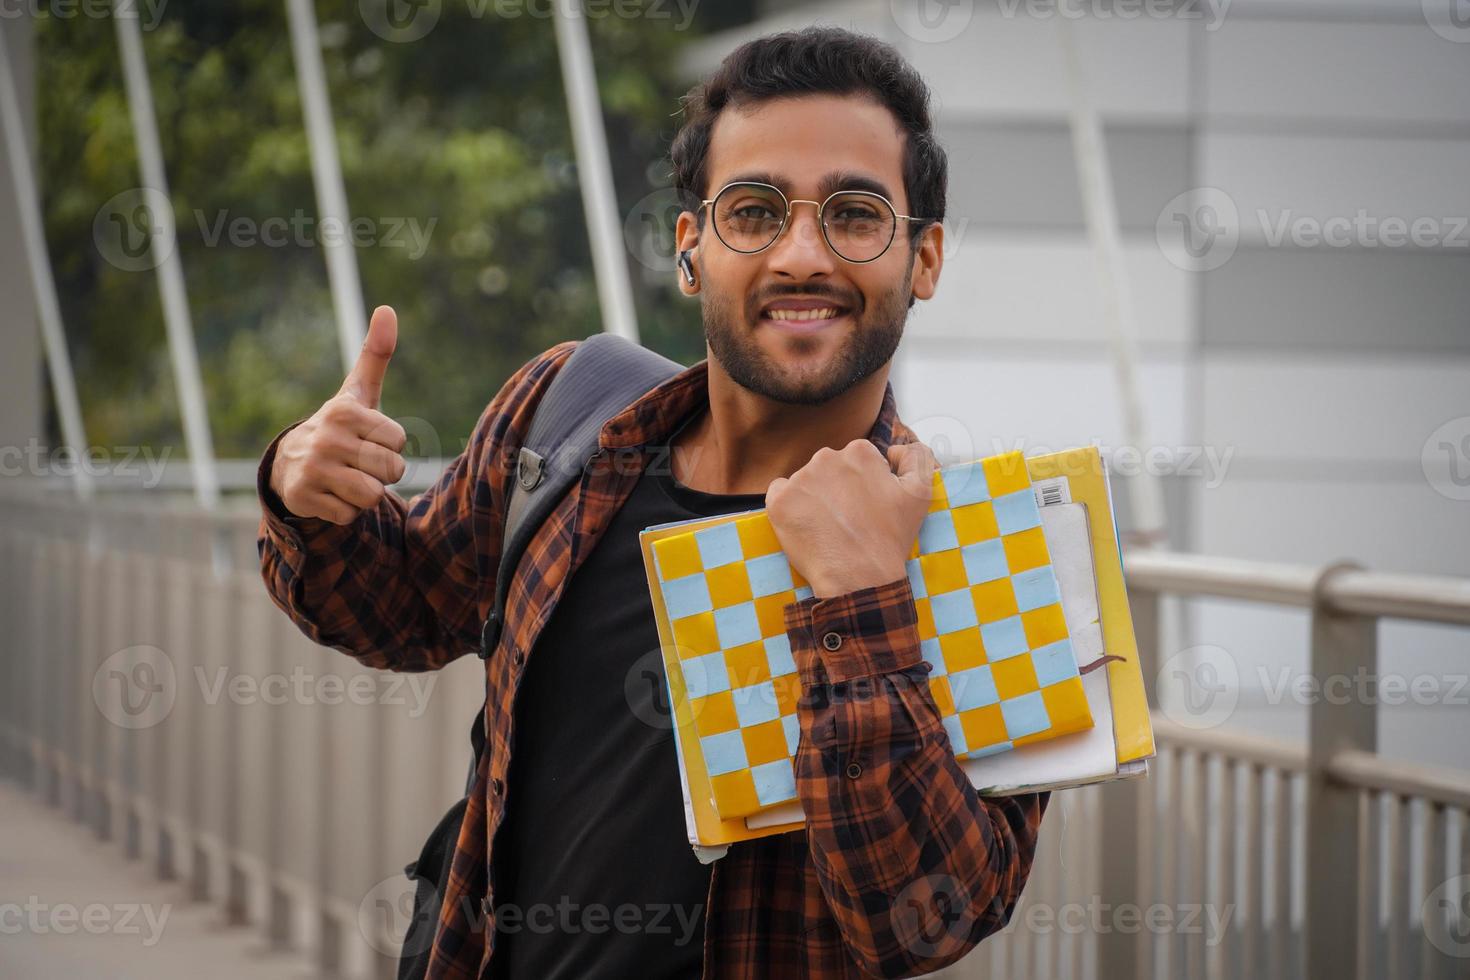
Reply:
x=815, y=189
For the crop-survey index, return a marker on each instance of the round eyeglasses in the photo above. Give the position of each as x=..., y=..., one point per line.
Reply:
x=857, y=225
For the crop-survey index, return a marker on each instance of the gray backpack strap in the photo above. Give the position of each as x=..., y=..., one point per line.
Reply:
x=603, y=375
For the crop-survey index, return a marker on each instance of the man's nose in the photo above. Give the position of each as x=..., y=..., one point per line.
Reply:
x=801, y=251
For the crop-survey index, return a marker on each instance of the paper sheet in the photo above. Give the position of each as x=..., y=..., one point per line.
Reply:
x=1083, y=755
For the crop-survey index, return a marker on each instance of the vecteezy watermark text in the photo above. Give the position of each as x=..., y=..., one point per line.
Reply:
x=1204, y=462
x=1445, y=458
x=90, y=9
x=41, y=918
x=138, y=463
x=403, y=21
x=302, y=686
x=1201, y=686
x=1212, y=12
x=565, y=917
x=303, y=230
x=386, y=918
x=1200, y=230
x=137, y=687
x=135, y=230
x=936, y=915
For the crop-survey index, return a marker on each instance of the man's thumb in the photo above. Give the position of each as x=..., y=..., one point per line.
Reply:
x=914, y=465
x=365, y=382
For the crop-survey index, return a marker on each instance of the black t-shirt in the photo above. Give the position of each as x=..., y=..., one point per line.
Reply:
x=594, y=875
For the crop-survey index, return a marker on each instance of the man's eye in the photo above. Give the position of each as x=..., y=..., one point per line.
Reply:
x=753, y=212
x=856, y=212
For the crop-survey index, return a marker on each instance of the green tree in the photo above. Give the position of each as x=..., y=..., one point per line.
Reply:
x=461, y=135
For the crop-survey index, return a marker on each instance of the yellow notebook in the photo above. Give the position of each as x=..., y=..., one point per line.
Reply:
x=990, y=624
x=1076, y=475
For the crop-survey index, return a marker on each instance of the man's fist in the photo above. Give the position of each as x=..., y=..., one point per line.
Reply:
x=848, y=519
x=336, y=464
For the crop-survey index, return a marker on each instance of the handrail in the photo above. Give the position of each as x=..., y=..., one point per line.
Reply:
x=1394, y=595
x=1367, y=770
x=1428, y=598
x=1259, y=750
x=236, y=475
x=1350, y=767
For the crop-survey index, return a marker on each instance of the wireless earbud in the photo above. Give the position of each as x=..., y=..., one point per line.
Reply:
x=687, y=266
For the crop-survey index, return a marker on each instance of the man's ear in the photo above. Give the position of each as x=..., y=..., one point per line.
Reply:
x=928, y=259
x=686, y=239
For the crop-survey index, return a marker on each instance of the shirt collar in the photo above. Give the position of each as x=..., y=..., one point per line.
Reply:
x=658, y=412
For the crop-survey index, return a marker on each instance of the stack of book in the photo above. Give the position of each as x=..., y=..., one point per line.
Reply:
x=1022, y=615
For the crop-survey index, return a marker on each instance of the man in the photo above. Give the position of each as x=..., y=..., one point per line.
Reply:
x=901, y=868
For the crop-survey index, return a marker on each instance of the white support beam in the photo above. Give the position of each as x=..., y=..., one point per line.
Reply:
x=594, y=172
x=38, y=264
x=326, y=175
x=1101, y=213
x=176, y=318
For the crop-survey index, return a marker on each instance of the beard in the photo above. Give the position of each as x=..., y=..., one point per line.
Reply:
x=870, y=345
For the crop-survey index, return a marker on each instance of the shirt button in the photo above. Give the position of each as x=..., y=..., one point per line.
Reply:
x=518, y=658
x=496, y=786
x=854, y=770
x=832, y=641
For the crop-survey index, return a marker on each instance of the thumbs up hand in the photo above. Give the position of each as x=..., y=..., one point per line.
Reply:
x=337, y=463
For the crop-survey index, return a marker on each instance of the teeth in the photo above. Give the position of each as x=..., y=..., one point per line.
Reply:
x=825, y=313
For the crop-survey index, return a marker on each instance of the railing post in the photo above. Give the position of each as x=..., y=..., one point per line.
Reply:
x=1125, y=873
x=1343, y=715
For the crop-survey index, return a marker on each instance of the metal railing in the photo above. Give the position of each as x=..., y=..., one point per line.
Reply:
x=166, y=703
x=163, y=701
x=1266, y=827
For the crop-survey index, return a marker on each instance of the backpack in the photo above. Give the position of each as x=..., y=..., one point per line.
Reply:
x=603, y=375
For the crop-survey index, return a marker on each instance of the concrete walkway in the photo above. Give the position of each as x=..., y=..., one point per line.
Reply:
x=73, y=908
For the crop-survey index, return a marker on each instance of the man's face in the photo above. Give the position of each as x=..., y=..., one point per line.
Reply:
x=809, y=147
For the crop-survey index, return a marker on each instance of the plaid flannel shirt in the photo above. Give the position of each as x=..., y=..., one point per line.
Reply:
x=901, y=867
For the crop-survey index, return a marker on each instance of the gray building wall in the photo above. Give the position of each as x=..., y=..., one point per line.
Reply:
x=1304, y=383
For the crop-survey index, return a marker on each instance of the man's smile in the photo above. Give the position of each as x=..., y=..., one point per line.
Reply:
x=802, y=315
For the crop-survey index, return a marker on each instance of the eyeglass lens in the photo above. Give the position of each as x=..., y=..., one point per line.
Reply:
x=857, y=225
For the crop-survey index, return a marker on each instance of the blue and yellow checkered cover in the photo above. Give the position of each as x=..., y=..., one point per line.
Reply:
x=990, y=625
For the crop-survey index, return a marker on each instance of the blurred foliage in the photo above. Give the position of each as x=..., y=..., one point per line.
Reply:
x=462, y=135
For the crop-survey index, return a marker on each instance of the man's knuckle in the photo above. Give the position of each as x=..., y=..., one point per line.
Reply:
x=338, y=443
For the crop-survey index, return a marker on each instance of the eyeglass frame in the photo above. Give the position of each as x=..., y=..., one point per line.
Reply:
x=821, y=206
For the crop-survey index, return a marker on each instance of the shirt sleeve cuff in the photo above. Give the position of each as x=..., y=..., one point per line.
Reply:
x=289, y=532
x=863, y=633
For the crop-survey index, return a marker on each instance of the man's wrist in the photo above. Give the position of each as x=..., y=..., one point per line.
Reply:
x=841, y=584
x=273, y=503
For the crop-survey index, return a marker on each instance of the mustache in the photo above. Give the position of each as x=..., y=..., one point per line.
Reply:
x=852, y=301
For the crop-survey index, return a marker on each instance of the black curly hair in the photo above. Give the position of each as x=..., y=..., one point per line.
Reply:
x=816, y=60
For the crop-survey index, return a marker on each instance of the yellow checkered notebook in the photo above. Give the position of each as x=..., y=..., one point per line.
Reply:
x=990, y=625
